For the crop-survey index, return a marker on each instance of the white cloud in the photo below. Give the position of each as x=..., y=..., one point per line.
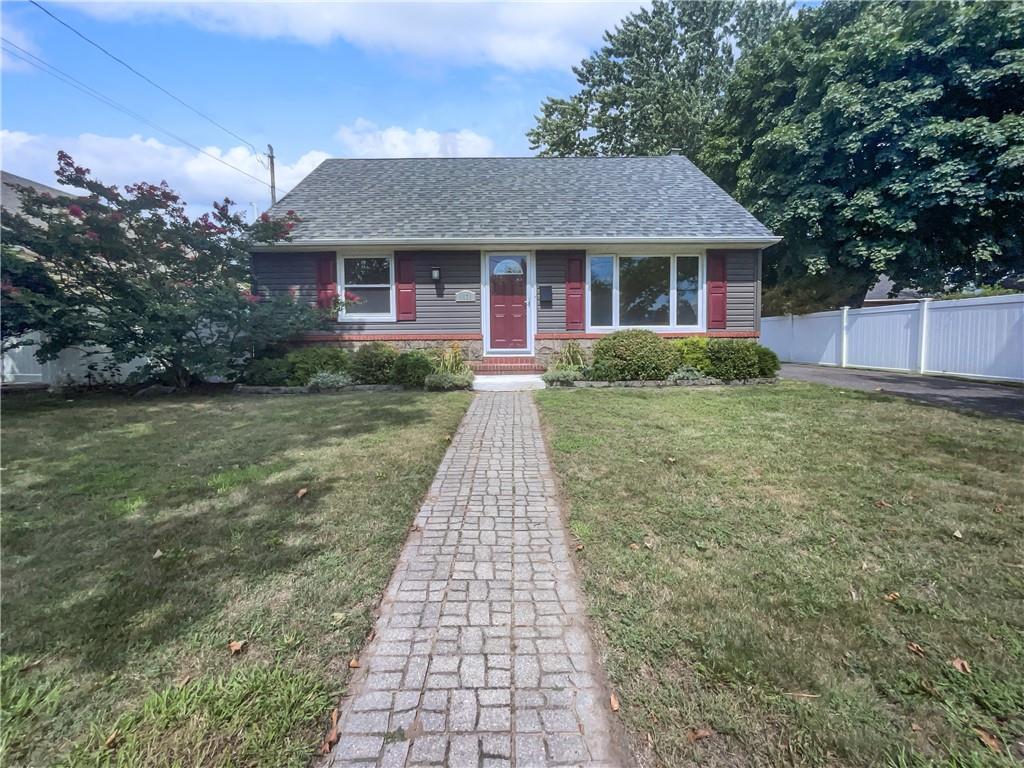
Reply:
x=364, y=139
x=9, y=62
x=118, y=160
x=520, y=36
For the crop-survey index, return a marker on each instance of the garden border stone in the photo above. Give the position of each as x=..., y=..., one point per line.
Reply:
x=583, y=384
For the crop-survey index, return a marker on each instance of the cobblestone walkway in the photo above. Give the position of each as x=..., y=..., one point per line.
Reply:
x=480, y=657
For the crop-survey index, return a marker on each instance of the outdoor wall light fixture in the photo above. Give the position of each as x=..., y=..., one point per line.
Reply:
x=435, y=274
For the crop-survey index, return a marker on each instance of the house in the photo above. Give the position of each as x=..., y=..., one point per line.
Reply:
x=881, y=295
x=512, y=257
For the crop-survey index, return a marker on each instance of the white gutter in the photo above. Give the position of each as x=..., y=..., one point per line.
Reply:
x=757, y=242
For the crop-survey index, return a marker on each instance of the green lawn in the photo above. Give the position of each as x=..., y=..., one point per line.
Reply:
x=141, y=537
x=739, y=548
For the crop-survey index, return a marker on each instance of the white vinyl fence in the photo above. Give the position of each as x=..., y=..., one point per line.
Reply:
x=71, y=366
x=977, y=338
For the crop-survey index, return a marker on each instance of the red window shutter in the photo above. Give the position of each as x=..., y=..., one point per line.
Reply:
x=575, y=298
x=326, y=280
x=405, y=285
x=717, y=284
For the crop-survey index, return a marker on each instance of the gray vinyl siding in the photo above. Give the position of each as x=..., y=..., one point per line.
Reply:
x=279, y=273
x=742, y=291
x=551, y=267
x=436, y=308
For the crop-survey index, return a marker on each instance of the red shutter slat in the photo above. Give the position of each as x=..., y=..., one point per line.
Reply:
x=326, y=280
x=405, y=285
x=717, y=289
x=575, y=298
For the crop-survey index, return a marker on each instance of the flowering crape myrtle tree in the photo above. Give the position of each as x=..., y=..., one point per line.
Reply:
x=131, y=272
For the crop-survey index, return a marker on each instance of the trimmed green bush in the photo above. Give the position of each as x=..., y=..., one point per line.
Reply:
x=733, y=359
x=443, y=382
x=685, y=373
x=373, y=363
x=328, y=380
x=633, y=355
x=412, y=368
x=309, y=361
x=556, y=376
x=693, y=353
x=267, y=372
x=767, y=362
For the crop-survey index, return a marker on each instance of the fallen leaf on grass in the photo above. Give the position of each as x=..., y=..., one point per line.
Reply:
x=158, y=554
x=447, y=438
x=579, y=547
x=634, y=546
x=798, y=695
x=301, y=492
x=915, y=648
x=112, y=740
x=613, y=700
x=649, y=543
x=31, y=665
x=699, y=733
x=853, y=594
x=883, y=504
x=671, y=460
x=988, y=739
x=332, y=735
x=915, y=727
x=957, y=534
x=892, y=597
x=961, y=666
x=237, y=646
x=353, y=663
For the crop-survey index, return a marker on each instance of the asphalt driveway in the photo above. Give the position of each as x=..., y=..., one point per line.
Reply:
x=1006, y=401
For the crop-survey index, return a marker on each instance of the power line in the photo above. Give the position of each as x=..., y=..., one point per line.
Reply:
x=56, y=72
x=132, y=69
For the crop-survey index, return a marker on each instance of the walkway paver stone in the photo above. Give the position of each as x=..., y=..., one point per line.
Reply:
x=480, y=655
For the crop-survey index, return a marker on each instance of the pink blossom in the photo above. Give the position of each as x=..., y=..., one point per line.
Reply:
x=92, y=235
x=289, y=226
x=352, y=297
x=76, y=211
x=116, y=216
x=253, y=298
x=264, y=217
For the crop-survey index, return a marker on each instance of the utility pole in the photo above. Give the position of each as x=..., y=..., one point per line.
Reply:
x=273, y=180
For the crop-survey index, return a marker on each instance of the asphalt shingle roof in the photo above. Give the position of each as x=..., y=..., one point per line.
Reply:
x=515, y=198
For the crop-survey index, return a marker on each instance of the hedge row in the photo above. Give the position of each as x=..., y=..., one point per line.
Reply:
x=373, y=363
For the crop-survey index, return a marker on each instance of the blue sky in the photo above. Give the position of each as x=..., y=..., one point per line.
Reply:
x=314, y=79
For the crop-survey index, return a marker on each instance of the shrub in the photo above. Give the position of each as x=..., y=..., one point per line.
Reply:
x=733, y=359
x=328, y=380
x=267, y=372
x=411, y=368
x=767, y=362
x=308, y=361
x=635, y=354
x=373, y=363
x=442, y=382
x=570, y=356
x=451, y=360
x=556, y=376
x=685, y=373
x=693, y=353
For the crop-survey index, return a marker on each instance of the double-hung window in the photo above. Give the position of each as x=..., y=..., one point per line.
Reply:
x=657, y=292
x=367, y=288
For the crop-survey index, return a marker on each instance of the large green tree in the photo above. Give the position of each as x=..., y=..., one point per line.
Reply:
x=129, y=271
x=882, y=137
x=658, y=81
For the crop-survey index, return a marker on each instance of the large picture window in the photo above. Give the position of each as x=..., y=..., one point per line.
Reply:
x=659, y=292
x=367, y=288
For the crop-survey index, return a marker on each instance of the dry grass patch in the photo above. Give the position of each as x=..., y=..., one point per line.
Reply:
x=139, y=538
x=739, y=548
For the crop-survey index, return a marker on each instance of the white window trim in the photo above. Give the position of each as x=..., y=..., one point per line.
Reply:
x=344, y=316
x=672, y=327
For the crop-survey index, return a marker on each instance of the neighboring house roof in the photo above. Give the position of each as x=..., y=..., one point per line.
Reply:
x=516, y=199
x=883, y=287
x=10, y=199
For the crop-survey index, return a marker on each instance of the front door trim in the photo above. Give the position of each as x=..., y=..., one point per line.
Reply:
x=531, y=304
